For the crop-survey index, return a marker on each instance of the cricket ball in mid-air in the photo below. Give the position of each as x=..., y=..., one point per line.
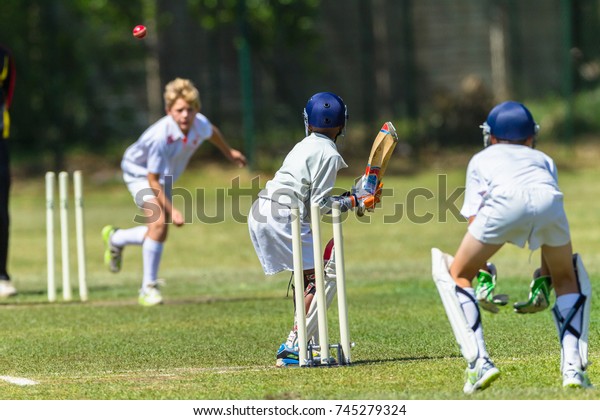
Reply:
x=139, y=31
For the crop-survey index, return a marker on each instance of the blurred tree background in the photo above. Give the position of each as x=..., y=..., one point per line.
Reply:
x=86, y=87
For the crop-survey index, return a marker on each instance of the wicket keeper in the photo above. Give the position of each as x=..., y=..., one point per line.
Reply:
x=512, y=196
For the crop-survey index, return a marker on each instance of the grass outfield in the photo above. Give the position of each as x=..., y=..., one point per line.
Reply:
x=216, y=335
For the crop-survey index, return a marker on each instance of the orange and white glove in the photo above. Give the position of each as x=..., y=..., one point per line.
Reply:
x=360, y=201
x=368, y=201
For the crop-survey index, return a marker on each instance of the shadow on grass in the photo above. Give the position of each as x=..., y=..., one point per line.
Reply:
x=401, y=359
x=196, y=300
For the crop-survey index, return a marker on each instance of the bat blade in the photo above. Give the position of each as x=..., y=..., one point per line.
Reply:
x=381, y=152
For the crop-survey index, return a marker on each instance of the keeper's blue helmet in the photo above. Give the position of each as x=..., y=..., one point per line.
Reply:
x=325, y=110
x=509, y=121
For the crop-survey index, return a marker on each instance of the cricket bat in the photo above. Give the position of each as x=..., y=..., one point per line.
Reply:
x=381, y=152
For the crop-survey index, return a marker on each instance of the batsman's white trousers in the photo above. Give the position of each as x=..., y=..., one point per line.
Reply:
x=270, y=227
x=534, y=216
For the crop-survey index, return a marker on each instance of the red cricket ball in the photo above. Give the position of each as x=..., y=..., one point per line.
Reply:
x=139, y=31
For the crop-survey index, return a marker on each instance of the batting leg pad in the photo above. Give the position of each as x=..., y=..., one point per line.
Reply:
x=329, y=261
x=312, y=319
x=447, y=288
x=581, y=309
x=310, y=290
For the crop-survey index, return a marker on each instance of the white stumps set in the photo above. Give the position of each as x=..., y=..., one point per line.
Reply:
x=343, y=348
x=63, y=196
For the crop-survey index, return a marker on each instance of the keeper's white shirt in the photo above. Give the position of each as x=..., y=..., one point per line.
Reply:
x=503, y=167
x=164, y=149
x=513, y=192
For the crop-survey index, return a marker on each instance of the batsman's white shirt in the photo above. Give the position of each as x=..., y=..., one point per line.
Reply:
x=513, y=192
x=162, y=149
x=307, y=176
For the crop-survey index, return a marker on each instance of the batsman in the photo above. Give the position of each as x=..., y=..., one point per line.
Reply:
x=307, y=176
x=512, y=196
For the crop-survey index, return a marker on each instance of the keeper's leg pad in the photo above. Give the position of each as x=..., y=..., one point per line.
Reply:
x=585, y=304
x=447, y=288
x=312, y=319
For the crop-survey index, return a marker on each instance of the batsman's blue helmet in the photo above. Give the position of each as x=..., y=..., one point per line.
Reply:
x=325, y=110
x=510, y=121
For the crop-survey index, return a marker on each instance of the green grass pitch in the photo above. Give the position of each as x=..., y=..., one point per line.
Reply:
x=223, y=320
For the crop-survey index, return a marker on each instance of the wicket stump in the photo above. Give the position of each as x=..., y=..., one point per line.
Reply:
x=343, y=348
x=63, y=196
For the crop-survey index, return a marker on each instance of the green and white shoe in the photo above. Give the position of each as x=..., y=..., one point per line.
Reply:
x=484, y=291
x=576, y=378
x=480, y=376
x=150, y=296
x=539, y=295
x=113, y=255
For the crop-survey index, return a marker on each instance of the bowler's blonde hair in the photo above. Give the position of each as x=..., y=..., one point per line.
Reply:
x=181, y=88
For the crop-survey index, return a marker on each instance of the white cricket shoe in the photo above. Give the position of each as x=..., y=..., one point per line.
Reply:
x=576, y=378
x=7, y=289
x=480, y=376
x=150, y=295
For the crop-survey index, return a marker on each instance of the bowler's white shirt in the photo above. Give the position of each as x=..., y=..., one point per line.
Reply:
x=506, y=167
x=164, y=149
x=307, y=174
